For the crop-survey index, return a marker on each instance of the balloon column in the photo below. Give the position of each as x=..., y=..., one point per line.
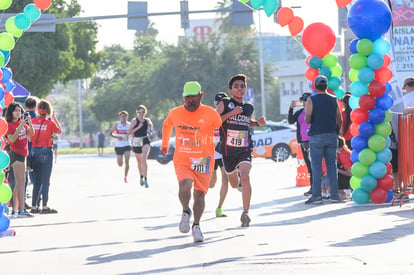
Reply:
x=319, y=39
x=369, y=20
x=14, y=26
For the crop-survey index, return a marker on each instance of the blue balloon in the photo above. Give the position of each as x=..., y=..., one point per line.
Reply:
x=1, y=93
x=368, y=183
x=376, y=115
x=359, y=142
x=384, y=156
x=366, y=75
x=381, y=46
x=6, y=55
x=387, y=142
x=375, y=61
x=384, y=102
x=4, y=223
x=360, y=196
x=334, y=83
x=10, y=86
x=369, y=19
x=390, y=195
x=21, y=21
x=355, y=156
x=32, y=12
x=1, y=209
x=7, y=74
x=353, y=46
x=358, y=88
x=388, y=88
x=377, y=169
x=366, y=129
x=326, y=71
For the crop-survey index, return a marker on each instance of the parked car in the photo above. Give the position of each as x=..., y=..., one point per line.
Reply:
x=62, y=144
x=155, y=152
x=275, y=140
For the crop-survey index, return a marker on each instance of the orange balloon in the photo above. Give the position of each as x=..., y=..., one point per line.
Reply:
x=284, y=16
x=342, y=3
x=296, y=25
x=387, y=60
x=42, y=4
x=318, y=39
x=3, y=126
x=8, y=98
x=310, y=74
x=383, y=75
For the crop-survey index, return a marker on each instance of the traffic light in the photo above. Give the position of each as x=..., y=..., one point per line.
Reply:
x=137, y=16
x=241, y=14
x=185, y=22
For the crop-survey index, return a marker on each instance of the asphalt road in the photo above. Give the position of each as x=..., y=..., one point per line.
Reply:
x=105, y=226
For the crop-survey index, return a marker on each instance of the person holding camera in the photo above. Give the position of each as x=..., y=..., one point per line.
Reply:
x=43, y=155
x=19, y=128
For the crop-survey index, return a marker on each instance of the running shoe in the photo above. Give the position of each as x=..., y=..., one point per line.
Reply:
x=308, y=193
x=314, y=200
x=146, y=184
x=14, y=215
x=185, y=222
x=142, y=181
x=219, y=213
x=25, y=214
x=245, y=219
x=125, y=180
x=197, y=235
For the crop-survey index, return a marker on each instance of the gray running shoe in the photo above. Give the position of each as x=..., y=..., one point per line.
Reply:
x=185, y=222
x=197, y=235
x=245, y=219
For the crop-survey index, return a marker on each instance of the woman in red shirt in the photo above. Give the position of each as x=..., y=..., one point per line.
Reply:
x=43, y=155
x=19, y=126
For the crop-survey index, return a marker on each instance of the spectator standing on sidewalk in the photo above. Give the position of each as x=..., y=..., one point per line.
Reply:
x=302, y=137
x=194, y=125
x=101, y=143
x=325, y=118
x=45, y=125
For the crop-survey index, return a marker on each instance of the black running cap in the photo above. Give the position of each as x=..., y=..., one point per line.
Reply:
x=321, y=80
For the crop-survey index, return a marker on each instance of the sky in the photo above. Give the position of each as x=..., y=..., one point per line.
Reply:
x=114, y=31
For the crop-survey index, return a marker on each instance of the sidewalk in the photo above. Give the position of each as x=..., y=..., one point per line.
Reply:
x=105, y=226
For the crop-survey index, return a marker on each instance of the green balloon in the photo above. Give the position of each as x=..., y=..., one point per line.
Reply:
x=336, y=70
x=5, y=193
x=355, y=182
x=353, y=75
x=329, y=60
x=12, y=29
x=1, y=176
x=6, y=41
x=376, y=143
x=359, y=170
x=365, y=47
x=383, y=129
x=5, y=4
x=367, y=157
x=358, y=61
x=388, y=116
x=339, y=93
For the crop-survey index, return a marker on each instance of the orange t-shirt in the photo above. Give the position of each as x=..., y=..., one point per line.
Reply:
x=194, y=140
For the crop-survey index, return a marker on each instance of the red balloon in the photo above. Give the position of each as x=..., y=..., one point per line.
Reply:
x=8, y=98
x=389, y=167
x=42, y=4
x=307, y=60
x=318, y=39
x=342, y=3
x=376, y=88
x=367, y=102
x=310, y=74
x=378, y=195
x=359, y=115
x=330, y=92
x=284, y=16
x=3, y=126
x=387, y=60
x=354, y=129
x=383, y=74
x=296, y=25
x=386, y=182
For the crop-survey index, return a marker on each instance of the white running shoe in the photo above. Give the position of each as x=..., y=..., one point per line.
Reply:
x=185, y=222
x=197, y=235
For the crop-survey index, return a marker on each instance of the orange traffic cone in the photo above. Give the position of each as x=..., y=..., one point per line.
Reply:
x=302, y=174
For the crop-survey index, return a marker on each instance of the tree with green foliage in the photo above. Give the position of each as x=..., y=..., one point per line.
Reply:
x=39, y=60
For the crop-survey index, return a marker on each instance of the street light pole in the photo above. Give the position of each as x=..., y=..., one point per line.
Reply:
x=262, y=88
x=80, y=113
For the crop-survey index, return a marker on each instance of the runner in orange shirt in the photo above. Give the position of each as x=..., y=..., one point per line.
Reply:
x=194, y=152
